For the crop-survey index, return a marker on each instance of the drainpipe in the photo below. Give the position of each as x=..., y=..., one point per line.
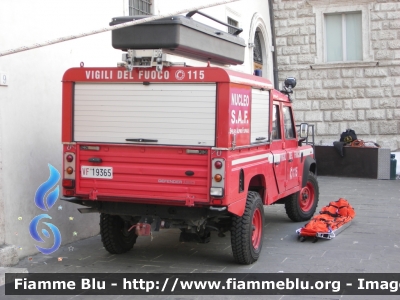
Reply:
x=274, y=56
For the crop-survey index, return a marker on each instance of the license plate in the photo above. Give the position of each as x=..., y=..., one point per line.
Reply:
x=96, y=172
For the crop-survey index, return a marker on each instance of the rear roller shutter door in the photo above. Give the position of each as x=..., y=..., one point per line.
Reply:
x=172, y=114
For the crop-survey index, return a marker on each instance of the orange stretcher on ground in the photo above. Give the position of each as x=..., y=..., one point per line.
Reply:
x=332, y=220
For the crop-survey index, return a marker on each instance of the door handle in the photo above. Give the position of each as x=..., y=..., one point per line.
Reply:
x=290, y=160
x=95, y=160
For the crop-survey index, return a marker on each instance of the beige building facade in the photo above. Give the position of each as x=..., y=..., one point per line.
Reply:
x=345, y=56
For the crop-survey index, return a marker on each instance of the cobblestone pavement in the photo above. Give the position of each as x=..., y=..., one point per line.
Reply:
x=370, y=245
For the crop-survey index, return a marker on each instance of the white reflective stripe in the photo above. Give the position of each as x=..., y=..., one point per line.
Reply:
x=271, y=157
x=252, y=158
x=307, y=152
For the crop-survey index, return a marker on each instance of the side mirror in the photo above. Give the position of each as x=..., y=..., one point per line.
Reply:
x=303, y=131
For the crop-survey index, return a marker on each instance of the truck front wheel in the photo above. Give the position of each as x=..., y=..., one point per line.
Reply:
x=247, y=231
x=115, y=235
x=301, y=206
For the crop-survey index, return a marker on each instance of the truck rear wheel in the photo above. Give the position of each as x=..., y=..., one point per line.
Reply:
x=301, y=206
x=115, y=235
x=247, y=231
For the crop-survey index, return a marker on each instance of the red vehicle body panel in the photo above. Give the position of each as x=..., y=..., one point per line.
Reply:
x=155, y=174
x=147, y=172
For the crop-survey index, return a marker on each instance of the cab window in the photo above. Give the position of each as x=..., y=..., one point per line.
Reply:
x=276, y=124
x=288, y=123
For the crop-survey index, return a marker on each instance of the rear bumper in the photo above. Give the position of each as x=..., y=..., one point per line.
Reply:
x=140, y=209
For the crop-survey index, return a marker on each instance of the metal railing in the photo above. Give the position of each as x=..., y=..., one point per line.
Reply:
x=139, y=7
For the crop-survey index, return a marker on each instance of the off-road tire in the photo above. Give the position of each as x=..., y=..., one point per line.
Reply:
x=115, y=235
x=301, y=206
x=247, y=243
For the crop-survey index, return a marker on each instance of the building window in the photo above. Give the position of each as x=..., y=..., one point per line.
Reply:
x=343, y=37
x=233, y=23
x=139, y=7
x=343, y=33
x=257, y=52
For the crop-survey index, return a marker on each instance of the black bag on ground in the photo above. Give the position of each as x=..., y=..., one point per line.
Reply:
x=348, y=136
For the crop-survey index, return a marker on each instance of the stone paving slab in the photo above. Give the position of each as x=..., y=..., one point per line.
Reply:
x=370, y=245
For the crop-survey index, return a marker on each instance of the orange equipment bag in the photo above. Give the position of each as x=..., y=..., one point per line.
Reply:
x=332, y=217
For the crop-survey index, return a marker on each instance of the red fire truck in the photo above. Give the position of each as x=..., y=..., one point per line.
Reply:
x=195, y=148
x=200, y=149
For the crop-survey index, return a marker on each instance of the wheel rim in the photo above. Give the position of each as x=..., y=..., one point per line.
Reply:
x=307, y=197
x=257, y=223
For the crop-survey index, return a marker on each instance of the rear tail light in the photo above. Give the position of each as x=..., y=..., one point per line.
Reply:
x=218, y=164
x=217, y=178
x=68, y=183
x=69, y=166
x=217, y=192
x=69, y=193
